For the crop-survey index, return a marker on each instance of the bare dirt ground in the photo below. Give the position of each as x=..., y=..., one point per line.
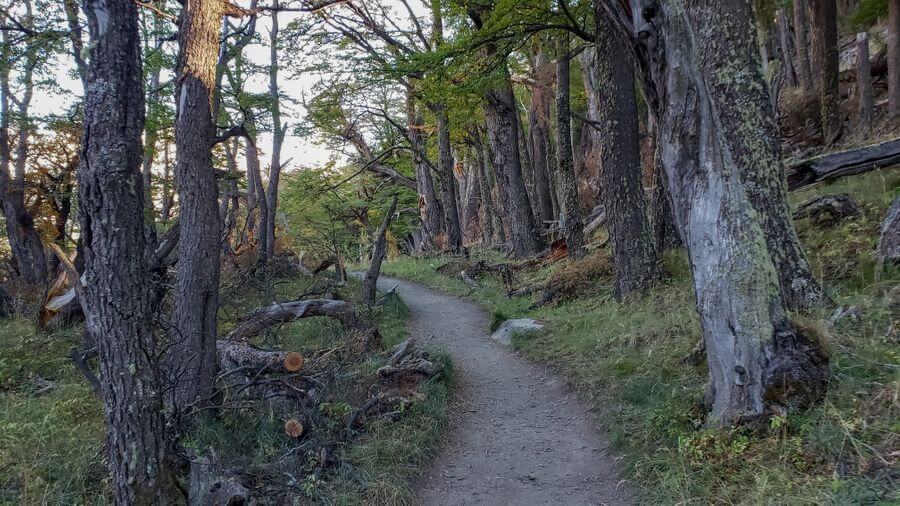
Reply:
x=517, y=435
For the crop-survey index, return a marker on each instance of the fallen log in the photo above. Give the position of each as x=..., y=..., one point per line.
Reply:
x=847, y=163
x=285, y=312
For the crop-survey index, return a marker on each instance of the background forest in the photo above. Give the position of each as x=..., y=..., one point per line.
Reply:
x=698, y=200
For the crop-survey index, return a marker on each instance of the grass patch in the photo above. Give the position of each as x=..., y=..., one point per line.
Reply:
x=626, y=359
x=51, y=444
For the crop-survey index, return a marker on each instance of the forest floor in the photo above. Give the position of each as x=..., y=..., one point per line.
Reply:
x=51, y=424
x=517, y=435
x=634, y=364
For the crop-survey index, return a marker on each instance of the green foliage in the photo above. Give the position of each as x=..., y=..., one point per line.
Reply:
x=869, y=12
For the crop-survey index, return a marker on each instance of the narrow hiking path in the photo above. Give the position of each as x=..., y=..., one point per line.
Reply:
x=517, y=435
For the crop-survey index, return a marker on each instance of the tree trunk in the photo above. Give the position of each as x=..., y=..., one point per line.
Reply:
x=571, y=213
x=430, y=209
x=665, y=232
x=893, y=44
x=864, y=83
x=787, y=50
x=258, y=210
x=449, y=192
x=193, y=354
x=801, y=43
x=118, y=291
x=824, y=25
x=539, y=135
x=498, y=193
x=167, y=199
x=634, y=253
x=278, y=133
x=370, y=281
x=28, y=255
x=745, y=110
x=486, y=207
x=757, y=359
x=503, y=137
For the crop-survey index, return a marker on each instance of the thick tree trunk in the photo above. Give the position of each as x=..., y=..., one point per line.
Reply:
x=430, y=209
x=893, y=44
x=801, y=43
x=539, y=135
x=378, y=252
x=757, y=359
x=28, y=255
x=449, y=192
x=502, y=127
x=864, y=89
x=193, y=354
x=277, y=139
x=824, y=25
x=119, y=293
x=745, y=110
x=568, y=186
x=634, y=252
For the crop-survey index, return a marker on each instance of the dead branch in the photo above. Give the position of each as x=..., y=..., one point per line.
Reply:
x=285, y=312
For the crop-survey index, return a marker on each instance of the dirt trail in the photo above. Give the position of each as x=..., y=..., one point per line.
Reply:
x=518, y=436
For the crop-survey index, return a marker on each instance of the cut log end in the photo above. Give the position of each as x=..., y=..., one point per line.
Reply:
x=293, y=428
x=293, y=361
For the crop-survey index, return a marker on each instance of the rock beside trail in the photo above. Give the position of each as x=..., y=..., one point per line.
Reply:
x=505, y=332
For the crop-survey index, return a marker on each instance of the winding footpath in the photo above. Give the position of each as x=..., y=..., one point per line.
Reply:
x=517, y=436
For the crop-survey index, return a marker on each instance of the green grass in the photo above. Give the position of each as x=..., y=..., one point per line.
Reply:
x=51, y=444
x=626, y=360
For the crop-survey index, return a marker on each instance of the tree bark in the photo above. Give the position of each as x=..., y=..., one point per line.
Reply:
x=378, y=252
x=118, y=291
x=449, y=191
x=824, y=25
x=278, y=133
x=787, y=50
x=801, y=42
x=486, y=207
x=539, y=134
x=665, y=232
x=635, y=255
x=193, y=354
x=571, y=212
x=893, y=44
x=29, y=259
x=430, y=210
x=864, y=88
x=745, y=110
x=757, y=359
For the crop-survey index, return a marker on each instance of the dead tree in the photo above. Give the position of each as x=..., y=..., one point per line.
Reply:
x=119, y=294
x=378, y=252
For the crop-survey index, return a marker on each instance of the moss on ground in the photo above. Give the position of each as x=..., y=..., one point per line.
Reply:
x=627, y=359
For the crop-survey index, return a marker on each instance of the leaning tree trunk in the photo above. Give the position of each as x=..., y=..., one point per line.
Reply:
x=758, y=360
x=118, y=291
x=370, y=281
x=746, y=109
x=503, y=136
x=193, y=354
x=615, y=115
x=568, y=185
x=824, y=25
x=449, y=191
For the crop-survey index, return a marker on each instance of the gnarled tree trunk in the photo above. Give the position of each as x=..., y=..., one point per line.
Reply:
x=757, y=358
x=119, y=293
